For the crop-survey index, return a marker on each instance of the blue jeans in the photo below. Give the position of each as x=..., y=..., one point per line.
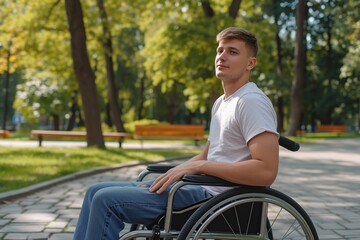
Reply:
x=108, y=205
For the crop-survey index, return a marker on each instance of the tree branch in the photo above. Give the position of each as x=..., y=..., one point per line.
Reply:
x=209, y=12
x=234, y=8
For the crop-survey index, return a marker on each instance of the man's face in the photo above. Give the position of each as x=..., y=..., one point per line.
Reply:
x=233, y=61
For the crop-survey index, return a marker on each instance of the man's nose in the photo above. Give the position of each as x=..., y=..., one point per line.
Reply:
x=222, y=56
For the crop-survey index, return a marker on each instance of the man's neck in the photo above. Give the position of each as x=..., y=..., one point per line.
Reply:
x=230, y=88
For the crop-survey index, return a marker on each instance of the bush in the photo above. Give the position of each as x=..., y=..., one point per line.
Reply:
x=130, y=127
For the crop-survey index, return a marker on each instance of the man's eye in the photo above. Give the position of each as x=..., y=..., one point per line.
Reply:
x=233, y=52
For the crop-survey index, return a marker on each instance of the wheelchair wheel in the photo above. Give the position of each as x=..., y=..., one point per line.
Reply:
x=249, y=213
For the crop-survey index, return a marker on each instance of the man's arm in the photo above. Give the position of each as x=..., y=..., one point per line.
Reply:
x=261, y=170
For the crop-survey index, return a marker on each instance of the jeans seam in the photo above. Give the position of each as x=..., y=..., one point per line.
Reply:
x=111, y=211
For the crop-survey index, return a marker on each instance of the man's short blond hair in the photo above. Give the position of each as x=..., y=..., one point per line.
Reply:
x=239, y=34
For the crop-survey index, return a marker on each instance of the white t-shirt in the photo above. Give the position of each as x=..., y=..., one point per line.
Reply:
x=235, y=121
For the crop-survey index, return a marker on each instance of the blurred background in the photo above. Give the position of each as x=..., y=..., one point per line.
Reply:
x=120, y=63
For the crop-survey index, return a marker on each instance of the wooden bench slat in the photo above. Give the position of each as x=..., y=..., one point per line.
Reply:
x=41, y=134
x=332, y=128
x=172, y=131
x=50, y=133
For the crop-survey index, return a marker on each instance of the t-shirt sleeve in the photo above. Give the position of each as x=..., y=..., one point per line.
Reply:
x=256, y=115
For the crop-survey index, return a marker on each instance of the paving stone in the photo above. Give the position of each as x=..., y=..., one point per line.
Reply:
x=39, y=236
x=39, y=206
x=63, y=203
x=10, y=209
x=22, y=228
x=16, y=236
x=57, y=225
x=28, y=202
x=35, y=218
x=49, y=211
x=53, y=230
x=331, y=226
x=4, y=222
x=349, y=232
x=70, y=229
x=61, y=236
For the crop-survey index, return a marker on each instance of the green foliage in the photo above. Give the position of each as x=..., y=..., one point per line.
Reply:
x=130, y=126
x=164, y=56
x=104, y=127
x=39, y=97
x=350, y=69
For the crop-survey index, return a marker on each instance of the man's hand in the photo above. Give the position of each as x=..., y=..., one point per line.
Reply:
x=175, y=174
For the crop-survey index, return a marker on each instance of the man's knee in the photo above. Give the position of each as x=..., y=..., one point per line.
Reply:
x=92, y=189
x=102, y=197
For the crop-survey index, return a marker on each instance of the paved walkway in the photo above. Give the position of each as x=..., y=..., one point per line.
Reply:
x=324, y=178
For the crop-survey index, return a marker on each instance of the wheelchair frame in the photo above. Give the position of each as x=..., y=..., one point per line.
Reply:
x=208, y=211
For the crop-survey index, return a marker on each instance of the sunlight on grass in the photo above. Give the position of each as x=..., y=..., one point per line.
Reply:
x=21, y=167
x=316, y=137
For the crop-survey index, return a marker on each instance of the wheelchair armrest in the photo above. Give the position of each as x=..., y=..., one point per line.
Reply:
x=154, y=169
x=207, y=180
x=159, y=168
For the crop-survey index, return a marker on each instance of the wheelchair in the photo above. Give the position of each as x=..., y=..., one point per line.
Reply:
x=243, y=212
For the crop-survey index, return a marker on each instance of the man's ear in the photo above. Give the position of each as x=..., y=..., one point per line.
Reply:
x=251, y=63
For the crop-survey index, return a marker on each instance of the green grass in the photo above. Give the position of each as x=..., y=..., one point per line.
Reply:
x=316, y=137
x=21, y=167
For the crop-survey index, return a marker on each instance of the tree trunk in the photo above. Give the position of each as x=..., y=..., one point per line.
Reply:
x=208, y=11
x=141, y=97
x=56, y=121
x=115, y=111
x=327, y=118
x=74, y=113
x=300, y=58
x=84, y=74
x=234, y=8
x=279, y=70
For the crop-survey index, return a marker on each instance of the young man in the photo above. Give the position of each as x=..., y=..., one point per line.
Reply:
x=242, y=148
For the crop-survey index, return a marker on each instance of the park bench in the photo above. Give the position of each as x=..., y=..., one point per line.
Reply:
x=171, y=131
x=4, y=133
x=332, y=128
x=41, y=134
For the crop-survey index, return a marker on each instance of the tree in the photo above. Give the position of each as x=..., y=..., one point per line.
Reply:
x=300, y=59
x=351, y=72
x=275, y=64
x=84, y=73
x=115, y=111
x=6, y=86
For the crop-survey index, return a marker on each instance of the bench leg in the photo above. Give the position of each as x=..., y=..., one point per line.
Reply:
x=40, y=140
x=120, y=143
x=197, y=144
